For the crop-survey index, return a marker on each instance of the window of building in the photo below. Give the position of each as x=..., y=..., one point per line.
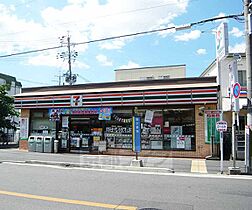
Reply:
x=242, y=79
x=161, y=128
x=164, y=77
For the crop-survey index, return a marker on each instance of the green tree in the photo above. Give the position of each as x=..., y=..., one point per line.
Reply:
x=7, y=110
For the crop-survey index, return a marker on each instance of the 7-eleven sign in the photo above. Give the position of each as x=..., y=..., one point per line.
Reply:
x=76, y=100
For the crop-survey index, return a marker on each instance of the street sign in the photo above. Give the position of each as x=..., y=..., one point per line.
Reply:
x=221, y=125
x=136, y=134
x=236, y=90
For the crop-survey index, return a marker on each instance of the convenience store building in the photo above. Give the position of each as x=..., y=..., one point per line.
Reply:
x=100, y=115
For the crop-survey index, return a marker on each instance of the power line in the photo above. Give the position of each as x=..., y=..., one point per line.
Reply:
x=181, y=27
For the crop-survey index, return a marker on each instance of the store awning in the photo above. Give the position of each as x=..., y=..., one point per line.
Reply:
x=135, y=94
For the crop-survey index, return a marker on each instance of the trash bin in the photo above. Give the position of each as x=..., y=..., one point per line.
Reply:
x=56, y=146
x=32, y=144
x=39, y=144
x=48, y=144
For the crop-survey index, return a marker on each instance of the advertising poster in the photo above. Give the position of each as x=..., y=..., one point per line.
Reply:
x=24, y=128
x=148, y=116
x=65, y=121
x=211, y=118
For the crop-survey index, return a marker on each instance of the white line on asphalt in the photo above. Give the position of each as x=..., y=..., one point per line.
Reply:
x=179, y=174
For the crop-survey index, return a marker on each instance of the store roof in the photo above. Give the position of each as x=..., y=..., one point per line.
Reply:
x=121, y=86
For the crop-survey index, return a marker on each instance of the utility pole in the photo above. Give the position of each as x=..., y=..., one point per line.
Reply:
x=69, y=55
x=59, y=78
x=248, y=34
x=69, y=59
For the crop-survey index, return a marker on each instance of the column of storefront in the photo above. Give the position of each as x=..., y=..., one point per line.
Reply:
x=24, y=129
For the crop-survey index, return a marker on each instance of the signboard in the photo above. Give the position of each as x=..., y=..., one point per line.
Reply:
x=76, y=100
x=236, y=90
x=104, y=112
x=136, y=134
x=221, y=125
x=24, y=128
x=211, y=133
x=235, y=87
x=221, y=39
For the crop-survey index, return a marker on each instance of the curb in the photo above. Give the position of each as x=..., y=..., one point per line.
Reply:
x=99, y=166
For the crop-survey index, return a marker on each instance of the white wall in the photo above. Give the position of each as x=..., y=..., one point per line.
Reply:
x=155, y=72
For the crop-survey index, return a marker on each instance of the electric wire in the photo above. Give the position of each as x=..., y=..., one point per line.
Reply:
x=122, y=36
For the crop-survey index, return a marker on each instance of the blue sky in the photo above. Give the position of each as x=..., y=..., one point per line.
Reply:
x=35, y=24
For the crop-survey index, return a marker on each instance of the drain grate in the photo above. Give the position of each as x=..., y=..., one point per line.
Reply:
x=156, y=205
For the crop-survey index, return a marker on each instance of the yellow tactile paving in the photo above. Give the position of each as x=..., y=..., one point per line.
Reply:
x=198, y=166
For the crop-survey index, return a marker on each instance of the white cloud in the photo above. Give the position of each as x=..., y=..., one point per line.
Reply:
x=238, y=48
x=236, y=32
x=130, y=65
x=188, y=36
x=113, y=45
x=201, y=51
x=221, y=14
x=167, y=32
x=49, y=59
x=112, y=18
x=103, y=60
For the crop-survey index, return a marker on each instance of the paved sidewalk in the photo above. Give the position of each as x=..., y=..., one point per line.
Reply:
x=185, y=165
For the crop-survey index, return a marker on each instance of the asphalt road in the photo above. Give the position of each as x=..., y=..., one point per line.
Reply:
x=68, y=188
x=178, y=164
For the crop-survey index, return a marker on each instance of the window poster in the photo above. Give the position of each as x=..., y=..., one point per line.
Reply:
x=65, y=121
x=148, y=116
x=176, y=131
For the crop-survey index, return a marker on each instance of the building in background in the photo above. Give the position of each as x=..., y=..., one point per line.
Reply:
x=223, y=78
x=151, y=73
x=15, y=88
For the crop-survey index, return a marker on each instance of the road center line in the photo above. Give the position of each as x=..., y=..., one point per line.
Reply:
x=68, y=201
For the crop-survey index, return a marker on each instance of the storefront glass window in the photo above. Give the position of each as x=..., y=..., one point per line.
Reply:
x=179, y=129
x=151, y=128
x=118, y=131
x=41, y=125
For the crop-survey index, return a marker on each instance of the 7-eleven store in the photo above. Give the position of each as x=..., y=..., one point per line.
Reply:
x=94, y=116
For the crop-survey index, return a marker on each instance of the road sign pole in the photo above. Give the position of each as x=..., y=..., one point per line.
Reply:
x=221, y=151
x=221, y=126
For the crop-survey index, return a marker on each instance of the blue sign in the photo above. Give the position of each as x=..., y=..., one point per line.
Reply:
x=136, y=134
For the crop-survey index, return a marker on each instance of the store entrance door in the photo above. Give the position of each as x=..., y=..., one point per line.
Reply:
x=85, y=132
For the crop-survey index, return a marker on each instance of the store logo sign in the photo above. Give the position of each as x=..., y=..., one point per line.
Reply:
x=221, y=40
x=76, y=100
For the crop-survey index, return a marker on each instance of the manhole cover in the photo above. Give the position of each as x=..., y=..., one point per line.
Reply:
x=149, y=209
